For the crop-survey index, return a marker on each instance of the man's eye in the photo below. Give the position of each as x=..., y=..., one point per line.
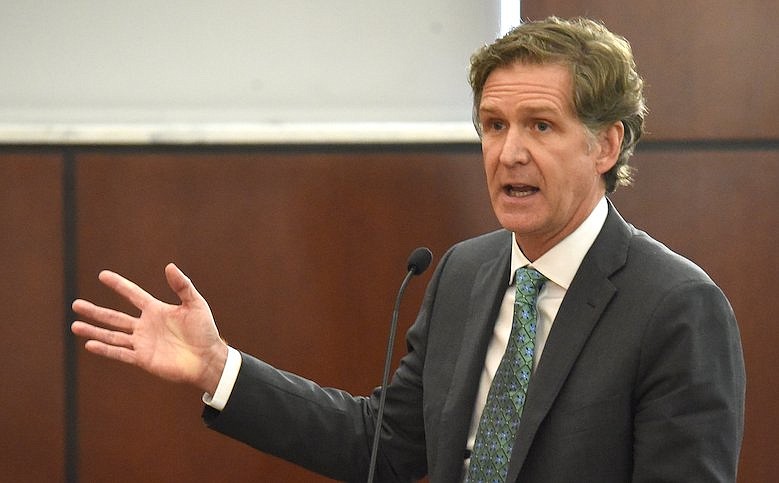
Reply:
x=495, y=125
x=542, y=126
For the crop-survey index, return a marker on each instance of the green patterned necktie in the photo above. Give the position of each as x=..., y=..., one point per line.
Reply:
x=506, y=398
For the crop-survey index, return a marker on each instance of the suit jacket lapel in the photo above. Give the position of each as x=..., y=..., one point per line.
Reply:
x=582, y=306
x=486, y=294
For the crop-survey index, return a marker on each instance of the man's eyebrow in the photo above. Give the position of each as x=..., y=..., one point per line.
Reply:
x=546, y=107
x=487, y=108
x=533, y=110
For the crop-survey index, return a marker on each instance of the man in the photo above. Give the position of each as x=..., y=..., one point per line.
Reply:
x=633, y=370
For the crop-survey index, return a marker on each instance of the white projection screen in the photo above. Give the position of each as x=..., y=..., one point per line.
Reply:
x=239, y=70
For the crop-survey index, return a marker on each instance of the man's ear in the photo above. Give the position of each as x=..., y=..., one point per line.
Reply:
x=609, y=143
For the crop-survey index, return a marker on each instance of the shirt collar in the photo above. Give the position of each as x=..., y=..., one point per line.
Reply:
x=562, y=261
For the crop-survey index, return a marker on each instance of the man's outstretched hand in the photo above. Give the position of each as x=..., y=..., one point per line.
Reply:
x=179, y=343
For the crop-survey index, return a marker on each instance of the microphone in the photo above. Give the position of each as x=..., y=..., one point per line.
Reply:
x=418, y=262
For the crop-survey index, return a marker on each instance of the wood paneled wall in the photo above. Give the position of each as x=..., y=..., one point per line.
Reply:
x=709, y=66
x=299, y=250
x=32, y=326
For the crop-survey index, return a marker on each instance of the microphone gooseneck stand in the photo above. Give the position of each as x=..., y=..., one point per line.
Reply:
x=418, y=262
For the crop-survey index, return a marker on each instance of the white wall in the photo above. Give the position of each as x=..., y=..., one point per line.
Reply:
x=178, y=62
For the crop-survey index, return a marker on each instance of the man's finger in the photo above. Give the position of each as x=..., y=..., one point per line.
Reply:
x=121, y=354
x=109, y=337
x=127, y=289
x=109, y=317
x=181, y=284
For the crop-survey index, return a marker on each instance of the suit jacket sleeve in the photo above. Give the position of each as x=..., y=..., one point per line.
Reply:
x=328, y=430
x=690, y=389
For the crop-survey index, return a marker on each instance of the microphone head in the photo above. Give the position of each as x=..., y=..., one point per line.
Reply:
x=419, y=260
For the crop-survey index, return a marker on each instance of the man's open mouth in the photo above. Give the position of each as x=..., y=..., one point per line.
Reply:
x=520, y=190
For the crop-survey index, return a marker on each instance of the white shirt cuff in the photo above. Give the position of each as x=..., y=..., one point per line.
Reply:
x=225, y=387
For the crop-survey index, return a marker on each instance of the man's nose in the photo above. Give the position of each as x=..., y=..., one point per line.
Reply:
x=515, y=148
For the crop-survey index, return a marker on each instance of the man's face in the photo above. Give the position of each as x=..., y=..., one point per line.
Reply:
x=543, y=167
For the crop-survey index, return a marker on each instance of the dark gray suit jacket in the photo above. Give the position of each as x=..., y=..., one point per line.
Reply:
x=641, y=379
